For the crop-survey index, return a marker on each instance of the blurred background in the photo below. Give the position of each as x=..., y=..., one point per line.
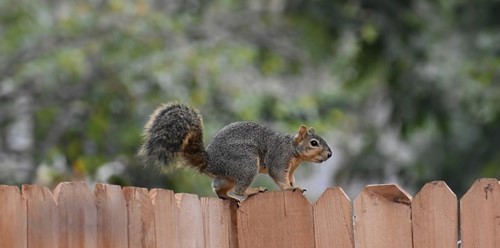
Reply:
x=403, y=91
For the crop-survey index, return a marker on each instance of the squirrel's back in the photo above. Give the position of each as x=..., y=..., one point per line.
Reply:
x=240, y=142
x=244, y=136
x=244, y=131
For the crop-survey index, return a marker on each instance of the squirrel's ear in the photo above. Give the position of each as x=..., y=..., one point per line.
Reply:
x=312, y=131
x=301, y=134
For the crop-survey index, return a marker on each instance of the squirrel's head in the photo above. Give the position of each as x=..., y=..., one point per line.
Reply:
x=310, y=146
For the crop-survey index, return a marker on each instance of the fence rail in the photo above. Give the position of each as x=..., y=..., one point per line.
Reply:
x=381, y=216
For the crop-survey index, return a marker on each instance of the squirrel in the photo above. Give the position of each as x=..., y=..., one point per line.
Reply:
x=235, y=155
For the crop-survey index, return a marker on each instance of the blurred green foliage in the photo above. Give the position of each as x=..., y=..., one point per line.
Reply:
x=408, y=89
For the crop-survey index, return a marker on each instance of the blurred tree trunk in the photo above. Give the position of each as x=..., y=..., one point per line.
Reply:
x=17, y=154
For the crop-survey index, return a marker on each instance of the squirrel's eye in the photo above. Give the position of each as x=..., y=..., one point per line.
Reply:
x=314, y=143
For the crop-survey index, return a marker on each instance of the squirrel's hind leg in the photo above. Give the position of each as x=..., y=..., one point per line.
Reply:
x=222, y=186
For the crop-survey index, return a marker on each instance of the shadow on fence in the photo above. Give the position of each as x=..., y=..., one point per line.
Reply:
x=381, y=216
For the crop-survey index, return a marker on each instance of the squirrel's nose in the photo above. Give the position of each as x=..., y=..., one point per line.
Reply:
x=329, y=154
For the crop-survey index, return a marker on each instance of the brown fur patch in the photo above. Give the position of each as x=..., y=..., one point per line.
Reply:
x=262, y=168
x=186, y=140
x=293, y=164
x=310, y=154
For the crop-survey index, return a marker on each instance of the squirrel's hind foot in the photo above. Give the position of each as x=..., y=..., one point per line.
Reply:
x=254, y=191
x=227, y=197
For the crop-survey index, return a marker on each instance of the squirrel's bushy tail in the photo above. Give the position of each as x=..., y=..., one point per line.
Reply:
x=174, y=131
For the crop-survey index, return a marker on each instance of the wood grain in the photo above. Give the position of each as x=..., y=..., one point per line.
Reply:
x=13, y=223
x=43, y=217
x=333, y=226
x=77, y=215
x=435, y=217
x=276, y=219
x=141, y=225
x=480, y=215
x=165, y=214
x=190, y=231
x=216, y=222
x=382, y=217
x=112, y=218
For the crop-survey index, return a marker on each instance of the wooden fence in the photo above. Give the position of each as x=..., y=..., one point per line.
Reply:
x=381, y=216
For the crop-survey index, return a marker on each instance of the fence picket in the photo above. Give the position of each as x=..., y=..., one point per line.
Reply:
x=165, y=214
x=216, y=222
x=77, y=215
x=480, y=215
x=112, y=220
x=12, y=218
x=333, y=220
x=190, y=232
x=42, y=217
x=141, y=225
x=276, y=219
x=382, y=217
x=435, y=217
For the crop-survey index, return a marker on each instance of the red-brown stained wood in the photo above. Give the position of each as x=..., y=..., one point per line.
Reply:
x=216, y=222
x=382, y=217
x=276, y=219
x=43, y=217
x=165, y=214
x=190, y=232
x=333, y=225
x=112, y=215
x=13, y=224
x=141, y=225
x=77, y=215
x=435, y=217
x=233, y=233
x=480, y=215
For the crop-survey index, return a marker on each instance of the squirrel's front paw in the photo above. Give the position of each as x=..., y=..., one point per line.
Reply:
x=301, y=190
x=262, y=189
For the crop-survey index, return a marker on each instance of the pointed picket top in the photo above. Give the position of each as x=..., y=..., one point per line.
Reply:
x=42, y=215
x=435, y=217
x=382, y=217
x=112, y=216
x=77, y=215
x=190, y=232
x=392, y=192
x=165, y=214
x=333, y=225
x=13, y=222
x=480, y=214
x=277, y=219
